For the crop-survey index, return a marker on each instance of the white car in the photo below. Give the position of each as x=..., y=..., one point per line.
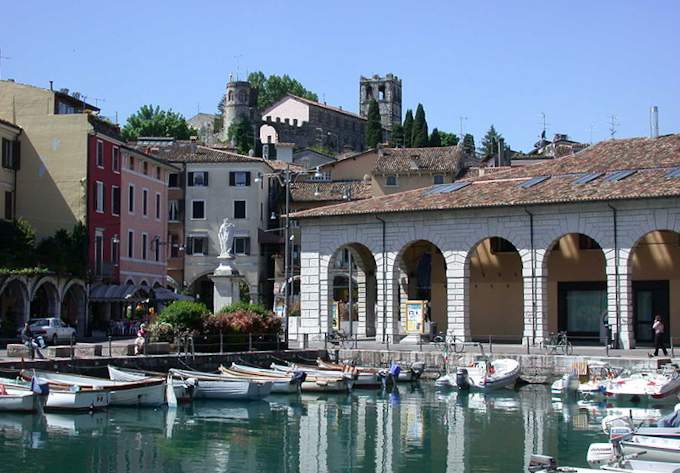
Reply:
x=53, y=330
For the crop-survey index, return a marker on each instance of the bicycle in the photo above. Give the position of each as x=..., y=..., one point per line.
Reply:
x=558, y=342
x=338, y=338
x=447, y=342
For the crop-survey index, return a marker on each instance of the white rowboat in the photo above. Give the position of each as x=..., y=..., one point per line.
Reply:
x=215, y=386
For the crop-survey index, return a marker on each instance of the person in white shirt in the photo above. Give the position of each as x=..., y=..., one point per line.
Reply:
x=659, y=336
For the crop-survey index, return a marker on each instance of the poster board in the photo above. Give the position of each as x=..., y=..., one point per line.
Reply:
x=415, y=316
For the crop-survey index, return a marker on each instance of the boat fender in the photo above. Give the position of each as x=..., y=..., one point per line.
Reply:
x=299, y=377
x=395, y=369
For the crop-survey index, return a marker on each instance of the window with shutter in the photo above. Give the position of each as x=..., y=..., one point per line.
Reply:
x=239, y=209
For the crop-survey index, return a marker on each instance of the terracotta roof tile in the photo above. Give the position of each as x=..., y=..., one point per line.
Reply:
x=652, y=158
x=329, y=191
x=315, y=104
x=415, y=160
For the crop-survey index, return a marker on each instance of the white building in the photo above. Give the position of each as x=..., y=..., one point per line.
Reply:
x=218, y=185
x=583, y=243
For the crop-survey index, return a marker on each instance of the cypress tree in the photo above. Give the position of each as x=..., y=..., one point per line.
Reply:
x=490, y=142
x=397, y=136
x=408, y=128
x=469, y=144
x=435, y=139
x=373, y=126
x=419, y=135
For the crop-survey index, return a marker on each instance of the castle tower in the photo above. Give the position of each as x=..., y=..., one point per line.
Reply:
x=387, y=92
x=240, y=102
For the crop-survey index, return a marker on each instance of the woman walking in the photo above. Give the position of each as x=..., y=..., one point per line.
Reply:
x=659, y=336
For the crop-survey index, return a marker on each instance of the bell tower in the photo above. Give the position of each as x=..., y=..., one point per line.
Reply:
x=387, y=92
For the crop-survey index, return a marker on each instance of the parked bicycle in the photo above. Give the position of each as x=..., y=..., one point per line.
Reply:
x=447, y=342
x=339, y=338
x=558, y=342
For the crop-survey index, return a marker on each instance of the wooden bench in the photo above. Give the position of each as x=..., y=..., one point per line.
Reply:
x=18, y=350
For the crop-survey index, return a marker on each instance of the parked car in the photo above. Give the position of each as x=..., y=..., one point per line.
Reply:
x=52, y=329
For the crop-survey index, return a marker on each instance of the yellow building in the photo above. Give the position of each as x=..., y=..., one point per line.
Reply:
x=10, y=150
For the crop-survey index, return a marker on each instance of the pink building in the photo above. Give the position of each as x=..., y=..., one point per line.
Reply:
x=143, y=219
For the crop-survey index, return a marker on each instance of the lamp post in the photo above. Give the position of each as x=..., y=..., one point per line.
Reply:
x=288, y=177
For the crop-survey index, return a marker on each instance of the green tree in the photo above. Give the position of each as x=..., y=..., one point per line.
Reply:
x=373, y=125
x=17, y=242
x=490, y=142
x=469, y=144
x=152, y=121
x=408, y=128
x=240, y=133
x=448, y=139
x=419, y=135
x=65, y=252
x=273, y=88
x=435, y=139
x=397, y=136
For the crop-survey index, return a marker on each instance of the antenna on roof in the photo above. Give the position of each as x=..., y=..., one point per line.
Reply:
x=97, y=100
x=461, y=119
x=1, y=58
x=237, y=58
x=613, y=123
x=544, y=123
x=654, y=121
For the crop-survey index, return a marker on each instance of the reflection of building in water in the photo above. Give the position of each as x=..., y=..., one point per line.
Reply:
x=385, y=437
x=455, y=425
x=412, y=422
x=314, y=438
x=536, y=403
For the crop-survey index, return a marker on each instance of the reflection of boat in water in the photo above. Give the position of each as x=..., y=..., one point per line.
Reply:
x=228, y=411
x=75, y=423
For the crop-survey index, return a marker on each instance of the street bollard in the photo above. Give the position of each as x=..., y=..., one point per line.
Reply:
x=110, y=352
x=221, y=343
x=490, y=344
x=250, y=342
x=528, y=351
x=420, y=343
x=73, y=351
x=356, y=341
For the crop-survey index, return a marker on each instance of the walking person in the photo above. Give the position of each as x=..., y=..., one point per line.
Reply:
x=659, y=336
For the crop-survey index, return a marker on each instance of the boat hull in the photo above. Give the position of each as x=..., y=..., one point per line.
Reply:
x=76, y=400
x=18, y=401
x=653, y=448
x=149, y=395
x=183, y=392
x=232, y=390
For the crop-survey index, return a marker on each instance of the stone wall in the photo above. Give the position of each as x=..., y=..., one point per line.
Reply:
x=457, y=233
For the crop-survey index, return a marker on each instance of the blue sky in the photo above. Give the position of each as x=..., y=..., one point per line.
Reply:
x=497, y=62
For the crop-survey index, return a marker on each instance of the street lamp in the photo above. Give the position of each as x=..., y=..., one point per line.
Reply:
x=288, y=178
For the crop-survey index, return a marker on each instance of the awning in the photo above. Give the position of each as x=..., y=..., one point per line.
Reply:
x=163, y=294
x=118, y=293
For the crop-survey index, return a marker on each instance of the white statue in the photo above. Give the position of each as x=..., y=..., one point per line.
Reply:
x=226, y=237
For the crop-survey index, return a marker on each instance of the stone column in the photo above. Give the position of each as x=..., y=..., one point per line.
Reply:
x=618, y=301
x=360, y=278
x=458, y=297
x=226, y=284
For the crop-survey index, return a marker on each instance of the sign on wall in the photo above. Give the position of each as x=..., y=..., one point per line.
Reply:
x=415, y=316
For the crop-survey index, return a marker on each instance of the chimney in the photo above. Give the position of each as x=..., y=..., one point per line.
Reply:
x=501, y=152
x=193, y=139
x=654, y=122
x=51, y=84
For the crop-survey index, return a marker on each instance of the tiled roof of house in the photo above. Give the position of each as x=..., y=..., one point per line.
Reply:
x=193, y=153
x=416, y=160
x=282, y=165
x=652, y=162
x=329, y=191
x=10, y=124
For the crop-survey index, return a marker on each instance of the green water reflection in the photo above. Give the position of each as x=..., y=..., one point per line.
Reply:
x=418, y=429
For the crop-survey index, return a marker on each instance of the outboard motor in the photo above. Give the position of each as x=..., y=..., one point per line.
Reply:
x=395, y=369
x=298, y=377
x=417, y=368
x=462, y=381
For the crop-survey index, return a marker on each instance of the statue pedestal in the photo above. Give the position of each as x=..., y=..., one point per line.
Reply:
x=226, y=281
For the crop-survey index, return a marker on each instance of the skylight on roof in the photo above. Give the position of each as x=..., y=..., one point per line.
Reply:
x=533, y=181
x=675, y=172
x=586, y=178
x=620, y=175
x=445, y=188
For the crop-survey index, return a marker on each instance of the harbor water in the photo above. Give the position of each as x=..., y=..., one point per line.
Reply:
x=416, y=428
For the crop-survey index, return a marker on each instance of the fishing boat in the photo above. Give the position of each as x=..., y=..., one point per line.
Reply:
x=184, y=387
x=17, y=399
x=280, y=384
x=483, y=375
x=71, y=398
x=216, y=386
x=653, y=386
x=359, y=379
x=146, y=392
x=327, y=384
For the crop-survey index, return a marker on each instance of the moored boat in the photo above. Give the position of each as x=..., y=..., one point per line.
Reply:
x=483, y=375
x=359, y=379
x=280, y=384
x=328, y=384
x=70, y=398
x=17, y=399
x=651, y=386
x=216, y=386
x=146, y=392
x=183, y=387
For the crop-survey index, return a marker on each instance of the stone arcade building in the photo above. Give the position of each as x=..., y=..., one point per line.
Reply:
x=571, y=244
